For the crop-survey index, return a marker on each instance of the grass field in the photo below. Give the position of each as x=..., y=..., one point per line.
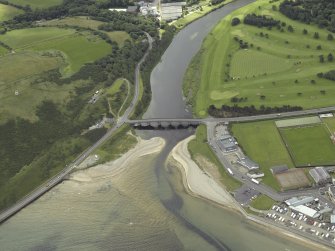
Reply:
x=69, y=42
x=82, y=21
x=330, y=122
x=310, y=145
x=262, y=142
x=36, y=52
x=37, y=3
x=199, y=147
x=262, y=202
x=8, y=12
x=282, y=69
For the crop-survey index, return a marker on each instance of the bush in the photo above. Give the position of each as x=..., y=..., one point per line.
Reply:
x=235, y=21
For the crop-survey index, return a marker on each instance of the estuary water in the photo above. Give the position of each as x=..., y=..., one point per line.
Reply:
x=142, y=208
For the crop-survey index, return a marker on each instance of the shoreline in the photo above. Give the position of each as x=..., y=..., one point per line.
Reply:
x=142, y=148
x=181, y=158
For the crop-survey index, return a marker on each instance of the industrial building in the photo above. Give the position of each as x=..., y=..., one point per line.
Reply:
x=247, y=163
x=331, y=193
x=320, y=175
x=172, y=11
x=227, y=143
x=294, y=201
x=279, y=169
x=310, y=212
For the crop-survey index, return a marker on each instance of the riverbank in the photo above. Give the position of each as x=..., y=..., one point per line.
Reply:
x=115, y=167
x=200, y=183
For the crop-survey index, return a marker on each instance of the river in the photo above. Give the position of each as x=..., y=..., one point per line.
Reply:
x=145, y=207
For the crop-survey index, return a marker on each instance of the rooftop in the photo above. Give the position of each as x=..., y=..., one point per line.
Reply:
x=279, y=169
x=319, y=174
x=294, y=201
x=306, y=211
x=248, y=163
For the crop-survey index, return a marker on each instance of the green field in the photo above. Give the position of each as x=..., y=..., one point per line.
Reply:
x=330, y=122
x=262, y=142
x=37, y=3
x=8, y=12
x=37, y=51
x=82, y=21
x=282, y=69
x=262, y=202
x=199, y=147
x=309, y=145
x=67, y=41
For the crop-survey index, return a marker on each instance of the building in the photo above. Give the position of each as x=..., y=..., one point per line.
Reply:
x=331, y=193
x=118, y=10
x=247, y=163
x=255, y=175
x=132, y=9
x=172, y=11
x=332, y=219
x=227, y=143
x=294, y=201
x=279, y=169
x=320, y=175
x=310, y=212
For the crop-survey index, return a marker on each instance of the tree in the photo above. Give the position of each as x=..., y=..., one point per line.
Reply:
x=235, y=21
x=305, y=32
x=318, y=47
x=330, y=57
x=330, y=37
x=299, y=94
x=323, y=92
x=290, y=28
x=321, y=58
x=316, y=35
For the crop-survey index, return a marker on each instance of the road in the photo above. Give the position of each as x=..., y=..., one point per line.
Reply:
x=59, y=177
x=278, y=196
x=239, y=119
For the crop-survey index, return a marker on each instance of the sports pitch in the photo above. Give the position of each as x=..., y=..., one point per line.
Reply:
x=293, y=179
x=309, y=145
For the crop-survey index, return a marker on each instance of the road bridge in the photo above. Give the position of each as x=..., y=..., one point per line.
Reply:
x=163, y=123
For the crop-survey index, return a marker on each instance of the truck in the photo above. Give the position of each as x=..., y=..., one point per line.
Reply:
x=255, y=181
x=230, y=171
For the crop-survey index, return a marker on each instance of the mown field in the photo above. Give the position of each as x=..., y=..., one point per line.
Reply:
x=36, y=3
x=309, y=145
x=278, y=67
x=262, y=142
x=38, y=51
x=82, y=21
x=8, y=12
x=330, y=122
x=77, y=48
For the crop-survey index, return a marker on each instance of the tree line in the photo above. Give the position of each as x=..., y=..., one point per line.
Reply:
x=320, y=12
x=260, y=21
x=237, y=111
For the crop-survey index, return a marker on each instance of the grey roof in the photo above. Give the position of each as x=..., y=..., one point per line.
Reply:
x=294, y=201
x=132, y=8
x=228, y=143
x=173, y=4
x=279, y=169
x=248, y=163
x=319, y=174
x=332, y=190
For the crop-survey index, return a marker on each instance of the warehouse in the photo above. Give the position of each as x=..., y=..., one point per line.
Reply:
x=172, y=11
x=306, y=211
x=320, y=175
x=294, y=201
